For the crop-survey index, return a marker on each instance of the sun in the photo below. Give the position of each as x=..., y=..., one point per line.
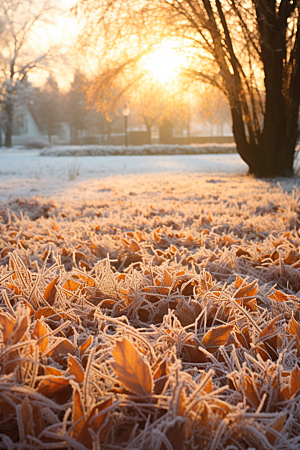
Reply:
x=164, y=64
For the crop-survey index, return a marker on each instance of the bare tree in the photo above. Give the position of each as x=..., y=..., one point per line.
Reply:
x=21, y=49
x=213, y=108
x=49, y=106
x=249, y=49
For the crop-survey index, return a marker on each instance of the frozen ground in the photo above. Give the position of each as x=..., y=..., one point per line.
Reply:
x=26, y=173
x=70, y=179
x=194, y=262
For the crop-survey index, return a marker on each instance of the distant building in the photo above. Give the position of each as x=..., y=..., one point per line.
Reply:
x=27, y=128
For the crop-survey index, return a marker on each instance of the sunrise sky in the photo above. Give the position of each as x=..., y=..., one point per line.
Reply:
x=62, y=30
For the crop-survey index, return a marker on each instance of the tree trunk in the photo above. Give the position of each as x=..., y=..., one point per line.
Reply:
x=273, y=155
x=269, y=150
x=8, y=108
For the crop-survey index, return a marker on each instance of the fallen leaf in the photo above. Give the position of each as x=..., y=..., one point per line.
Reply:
x=85, y=345
x=216, y=337
x=246, y=291
x=131, y=369
x=50, y=291
x=134, y=246
x=94, y=421
x=39, y=331
x=294, y=329
x=44, y=312
x=7, y=324
x=71, y=286
x=56, y=388
x=279, y=296
x=277, y=426
x=26, y=416
x=77, y=413
x=76, y=369
x=160, y=377
x=20, y=329
x=295, y=380
x=250, y=391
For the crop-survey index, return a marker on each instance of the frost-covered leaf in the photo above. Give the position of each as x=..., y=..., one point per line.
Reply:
x=216, y=337
x=50, y=291
x=76, y=369
x=132, y=371
x=39, y=331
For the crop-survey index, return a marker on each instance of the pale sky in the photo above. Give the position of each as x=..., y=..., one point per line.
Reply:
x=62, y=30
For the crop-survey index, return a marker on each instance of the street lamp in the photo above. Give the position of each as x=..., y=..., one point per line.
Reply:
x=126, y=112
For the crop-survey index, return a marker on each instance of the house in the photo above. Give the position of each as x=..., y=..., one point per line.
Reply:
x=27, y=128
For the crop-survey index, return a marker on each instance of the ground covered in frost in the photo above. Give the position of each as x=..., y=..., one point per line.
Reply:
x=149, y=311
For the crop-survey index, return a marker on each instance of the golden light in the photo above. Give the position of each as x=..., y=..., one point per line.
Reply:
x=165, y=63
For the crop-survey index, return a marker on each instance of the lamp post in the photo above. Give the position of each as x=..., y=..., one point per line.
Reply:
x=126, y=112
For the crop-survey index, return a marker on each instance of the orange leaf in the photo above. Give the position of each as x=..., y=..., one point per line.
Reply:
x=216, y=336
x=156, y=236
x=20, y=330
x=94, y=421
x=239, y=281
x=78, y=413
x=53, y=371
x=277, y=426
x=295, y=380
x=160, y=377
x=279, y=296
x=50, y=291
x=62, y=349
x=76, y=369
x=291, y=257
x=247, y=291
x=52, y=384
x=56, y=388
x=71, y=286
x=132, y=371
x=294, y=328
x=26, y=416
x=269, y=329
x=85, y=345
x=7, y=324
x=14, y=288
x=39, y=331
x=167, y=279
x=44, y=312
x=134, y=246
x=250, y=392
x=24, y=302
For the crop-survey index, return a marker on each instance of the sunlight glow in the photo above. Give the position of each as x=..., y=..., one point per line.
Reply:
x=164, y=64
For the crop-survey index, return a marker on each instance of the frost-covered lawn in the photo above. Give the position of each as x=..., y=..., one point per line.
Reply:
x=25, y=172
x=148, y=303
